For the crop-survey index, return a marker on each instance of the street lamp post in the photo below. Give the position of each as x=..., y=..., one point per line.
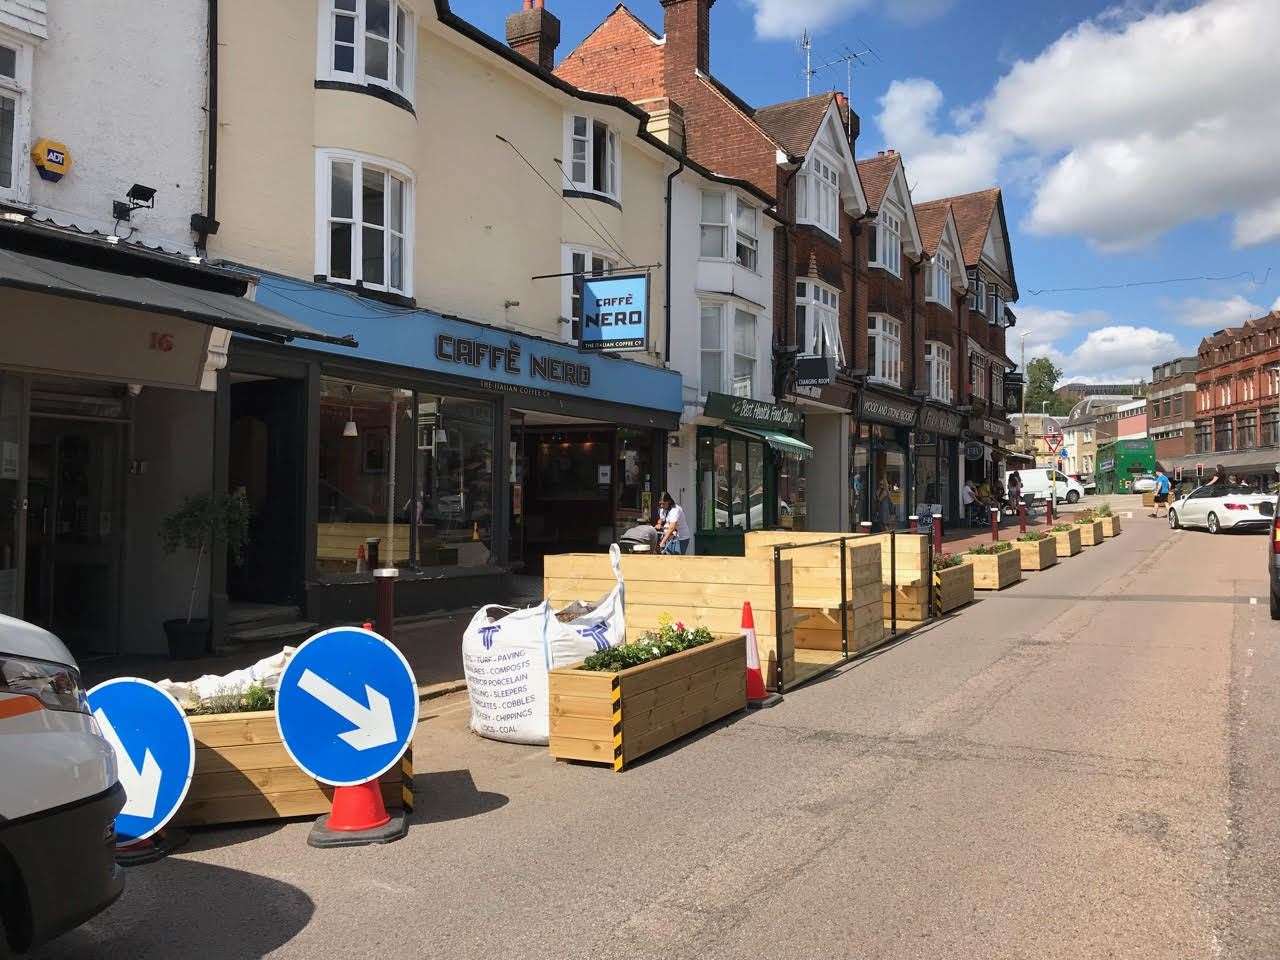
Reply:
x=1022, y=343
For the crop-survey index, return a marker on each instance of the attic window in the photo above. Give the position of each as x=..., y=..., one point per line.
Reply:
x=818, y=195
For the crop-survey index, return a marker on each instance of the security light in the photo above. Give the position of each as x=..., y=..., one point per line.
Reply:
x=141, y=195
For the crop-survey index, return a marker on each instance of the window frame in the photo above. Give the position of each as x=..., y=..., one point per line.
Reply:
x=728, y=314
x=939, y=286
x=731, y=225
x=612, y=157
x=325, y=158
x=824, y=309
x=938, y=359
x=885, y=345
x=569, y=294
x=19, y=89
x=818, y=192
x=405, y=53
x=888, y=226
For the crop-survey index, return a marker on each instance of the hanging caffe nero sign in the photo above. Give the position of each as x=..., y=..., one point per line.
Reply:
x=753, y=413
x=936, y=420
x=615, y=313
x=882, y=408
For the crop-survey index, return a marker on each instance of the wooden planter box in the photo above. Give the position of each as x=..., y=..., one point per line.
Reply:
x=995, y=571
x=956, y=586
x=1090, y=533
x=1110, y=526
x=615, y=718
x=1068, y=542
x=1037, y=554
x=1149, y=498
x=243, y=773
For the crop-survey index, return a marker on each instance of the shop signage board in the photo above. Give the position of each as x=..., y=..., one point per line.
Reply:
x=990, y=427
x=973, y=451
x=883, y=408
x=815, y=371
x=937, y=420
x=615, y=313
x=1053, y=435
x=753, y=413
x=155, y=752
x=346, y=706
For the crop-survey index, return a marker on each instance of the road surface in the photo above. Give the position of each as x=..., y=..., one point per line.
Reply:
x=1082, y=766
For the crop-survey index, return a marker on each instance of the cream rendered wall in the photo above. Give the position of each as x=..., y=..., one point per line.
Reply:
x=485, y=223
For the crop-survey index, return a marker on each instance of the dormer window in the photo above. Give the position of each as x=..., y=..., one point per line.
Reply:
x=594, y=154
x=818, y=195
x=885, y=242
x=367, y=42
x=938, y=285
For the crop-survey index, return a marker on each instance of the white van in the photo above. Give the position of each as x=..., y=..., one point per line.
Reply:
x=1039, y=484
x=59, y=794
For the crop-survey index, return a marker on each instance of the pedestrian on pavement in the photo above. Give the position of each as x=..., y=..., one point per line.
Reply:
x=884, y=505
x=968, y=499
x=1162, y=493
x=675, y=527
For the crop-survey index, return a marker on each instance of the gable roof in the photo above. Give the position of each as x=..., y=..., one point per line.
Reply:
x=932, y=217
x=795, y=123
x=974, y=214
x=876, y=173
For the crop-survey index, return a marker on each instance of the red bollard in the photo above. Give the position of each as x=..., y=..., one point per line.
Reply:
x=914, y=522
x=1048, y=511
x=995, y=523
x=385, y=604
x=1022, y=517
x=937, y=536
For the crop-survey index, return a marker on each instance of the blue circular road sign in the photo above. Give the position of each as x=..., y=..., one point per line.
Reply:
x=347, y=706
x=155, y=752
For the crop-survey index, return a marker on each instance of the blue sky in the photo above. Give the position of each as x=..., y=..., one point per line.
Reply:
x=1135, y=142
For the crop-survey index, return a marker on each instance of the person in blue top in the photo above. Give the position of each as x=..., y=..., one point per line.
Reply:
x=1162, y=493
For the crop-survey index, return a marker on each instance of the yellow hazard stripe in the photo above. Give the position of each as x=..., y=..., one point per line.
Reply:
x=616, y=695
x=937, y=594
x=406, y=779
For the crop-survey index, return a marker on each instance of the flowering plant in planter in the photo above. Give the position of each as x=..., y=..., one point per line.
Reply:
x=1086, y=517
x=670, y=637
x=1060, y=528
x=1104, y=510
x=1032, y=536
x=945, y=561
x=1003, y=547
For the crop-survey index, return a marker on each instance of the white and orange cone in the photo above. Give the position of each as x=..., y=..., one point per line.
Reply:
x=757, y=695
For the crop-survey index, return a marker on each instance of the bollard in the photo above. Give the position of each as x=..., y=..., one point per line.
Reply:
x=371, y=545
x=1048, y=511
x=995, y=523
x=914, y=523
x=937, y=535
x=1022, y=517
x=865, y=526
x=385, y=609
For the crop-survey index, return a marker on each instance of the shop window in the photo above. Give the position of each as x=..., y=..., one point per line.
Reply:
x=367, y=42
x=886, y=242
x=15, y=118
x=1247, y=433
x=365, y=230
x=594, y=152
x=579, y=263
x=937, y=370
x=793, y=506
x=1268, y=436
x=818, y=320
x=731, y=483
x=818, y=195
x=637, y=497
x=408, y=474
x=938, y=280
x=884, y=348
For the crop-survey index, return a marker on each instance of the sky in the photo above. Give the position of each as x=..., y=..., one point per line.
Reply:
x=1136, y=143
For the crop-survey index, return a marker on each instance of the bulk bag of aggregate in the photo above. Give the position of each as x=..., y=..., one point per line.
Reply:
x=507, y=654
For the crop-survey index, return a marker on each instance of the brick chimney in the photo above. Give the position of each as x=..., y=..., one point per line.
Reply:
x=533, y=33
x=687, y=24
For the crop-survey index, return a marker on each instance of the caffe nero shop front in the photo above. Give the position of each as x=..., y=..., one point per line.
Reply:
x=750, y=472
x=454, y=451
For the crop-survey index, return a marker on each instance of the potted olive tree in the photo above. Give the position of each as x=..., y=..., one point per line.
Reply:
x=195, y=526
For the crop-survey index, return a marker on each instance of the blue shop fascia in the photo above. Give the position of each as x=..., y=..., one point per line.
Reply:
x=455, y=451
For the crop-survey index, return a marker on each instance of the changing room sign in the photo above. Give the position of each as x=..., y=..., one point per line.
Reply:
x=615, y=313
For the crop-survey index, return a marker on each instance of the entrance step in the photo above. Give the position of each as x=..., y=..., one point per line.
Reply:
x=276, y=634
x=250, y=615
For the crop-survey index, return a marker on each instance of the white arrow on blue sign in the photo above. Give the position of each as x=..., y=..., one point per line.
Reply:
x=347, y=706
x=155, y=752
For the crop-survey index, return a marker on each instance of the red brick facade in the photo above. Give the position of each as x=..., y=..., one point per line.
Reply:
x=1236, y=394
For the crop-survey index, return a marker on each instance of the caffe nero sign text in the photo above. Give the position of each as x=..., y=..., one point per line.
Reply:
x=753, y=413
x=615, y=313
x=880, y=408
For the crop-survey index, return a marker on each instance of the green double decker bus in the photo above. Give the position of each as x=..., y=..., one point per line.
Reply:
x=1120, y=462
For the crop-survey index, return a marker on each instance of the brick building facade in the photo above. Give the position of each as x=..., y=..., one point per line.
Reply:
x=1171, y=402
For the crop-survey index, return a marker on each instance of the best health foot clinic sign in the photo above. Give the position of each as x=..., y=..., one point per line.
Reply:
x=615, y=313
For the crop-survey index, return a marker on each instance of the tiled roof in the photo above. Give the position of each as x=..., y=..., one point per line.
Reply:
x=973, y=213
x=794, y=123
x=932, y=219
x=876, y=172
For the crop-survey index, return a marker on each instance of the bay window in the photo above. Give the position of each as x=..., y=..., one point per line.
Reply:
x=365, y=214
x=937, y=370
x=994, y=310
x=367, y=42
x=818, y=195
x=15, y=118
x=594, y=156
x=938, y=280
x=728, y=331
x=886, y=242
x=818, y=320
x=714, y=226
x=580, y=263
x=884, y=348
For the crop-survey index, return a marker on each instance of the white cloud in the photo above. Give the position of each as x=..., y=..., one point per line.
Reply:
x=1108, y=352
x=1126, y=126
x=1211, y=314
x=786, y=19
x=1276, y=305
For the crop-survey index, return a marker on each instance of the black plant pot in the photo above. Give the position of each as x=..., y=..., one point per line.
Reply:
x=187, y=641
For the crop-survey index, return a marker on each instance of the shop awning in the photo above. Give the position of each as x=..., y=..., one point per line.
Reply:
x=784, y=443
x=23, y=271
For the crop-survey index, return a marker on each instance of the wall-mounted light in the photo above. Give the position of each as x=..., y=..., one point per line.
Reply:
x=350, y=429
x=138, y=196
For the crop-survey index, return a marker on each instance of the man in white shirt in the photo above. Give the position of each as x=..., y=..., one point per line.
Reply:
x=676, y=535
x=968, y=496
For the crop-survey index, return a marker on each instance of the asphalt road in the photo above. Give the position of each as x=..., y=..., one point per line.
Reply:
x=1082, y=766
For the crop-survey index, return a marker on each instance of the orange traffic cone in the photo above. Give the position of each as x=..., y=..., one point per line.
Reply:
x=757, y=695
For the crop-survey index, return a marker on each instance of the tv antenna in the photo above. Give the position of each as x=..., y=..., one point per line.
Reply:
x=806, y=47
x=849, y=57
